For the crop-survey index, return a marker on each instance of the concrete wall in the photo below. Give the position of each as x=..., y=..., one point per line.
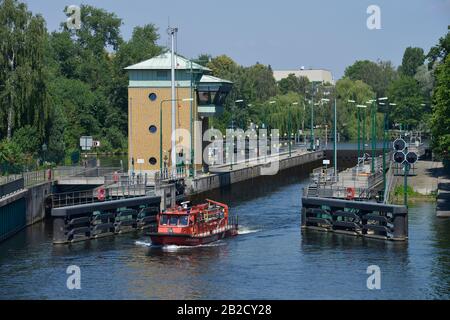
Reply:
x=35, y=202
x=21, y=216
x=217, y=180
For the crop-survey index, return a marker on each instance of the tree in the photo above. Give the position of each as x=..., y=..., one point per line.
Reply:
x=258, y=83
x=441, y=110
x=141, y=46
x=23, y=96
x=357, y=91
x=377, y=75
x=440, y=51
x=203, y=59
x=293, y=83
x=412, y=59
x=100, y=29
x=27, y=140
x=409, y=109
x=425, y=79
x=56, y=142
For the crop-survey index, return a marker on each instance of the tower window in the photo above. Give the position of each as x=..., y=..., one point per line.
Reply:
x=152, y=129
x=162, y=75
x=152, y=96
x=152, y=161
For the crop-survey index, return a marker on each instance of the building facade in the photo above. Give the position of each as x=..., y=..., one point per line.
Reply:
x=198, y=97
x=313, y=75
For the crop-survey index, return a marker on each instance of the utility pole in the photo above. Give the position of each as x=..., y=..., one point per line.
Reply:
x=364, y=134
x=405, y=185
x=290, y=127
x=374, y=132
x=172, y=32
x=313, y=145
x=335, y=137
x=303, y=122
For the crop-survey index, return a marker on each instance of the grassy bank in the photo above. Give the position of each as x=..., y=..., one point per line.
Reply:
x=397, y=196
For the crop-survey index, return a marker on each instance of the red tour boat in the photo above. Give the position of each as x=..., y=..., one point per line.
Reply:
x=194, y=225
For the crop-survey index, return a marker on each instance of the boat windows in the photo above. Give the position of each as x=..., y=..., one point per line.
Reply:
x=173, y=221
x=184, y=220
x=164, y=220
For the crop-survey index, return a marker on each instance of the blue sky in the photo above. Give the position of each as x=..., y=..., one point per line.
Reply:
x=286, y=34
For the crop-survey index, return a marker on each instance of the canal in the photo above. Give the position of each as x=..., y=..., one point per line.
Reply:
x=270, y=259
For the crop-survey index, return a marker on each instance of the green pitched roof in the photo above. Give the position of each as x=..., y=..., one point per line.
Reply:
x=162, y=62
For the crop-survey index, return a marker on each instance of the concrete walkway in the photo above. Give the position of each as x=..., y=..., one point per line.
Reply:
x=426, y=179
x=430, y=177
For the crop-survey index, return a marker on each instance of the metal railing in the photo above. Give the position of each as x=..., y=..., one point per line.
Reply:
x=35, y=177
x=95, y=195
x=171, y=174
x=333, y=191
x=11, y=187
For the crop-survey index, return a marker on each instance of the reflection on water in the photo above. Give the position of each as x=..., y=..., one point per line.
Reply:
x=271, y=258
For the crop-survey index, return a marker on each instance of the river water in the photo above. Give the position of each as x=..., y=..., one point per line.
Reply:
x=270, y=259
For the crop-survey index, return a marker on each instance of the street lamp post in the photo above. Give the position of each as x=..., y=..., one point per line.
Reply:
x=384, y=137
x=290, y=128
x=303, y=122
x=374, y=133
x=335, y=137
x=161, y=128
x=313, y=145
x=358, y=125
x=232, y=134
x=361, y=106
x=385, y=130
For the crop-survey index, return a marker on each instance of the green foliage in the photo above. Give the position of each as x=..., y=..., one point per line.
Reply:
x=254, y=85
x=293, y=84
x=359, y=92
x=27, y=140
x=12, y=159
x=412, y=59
x=440, y=51
x=425, y=79
x=56, y=141
x=400, y=191
x=441, y=110
x=23, y=95
x=377, y=75
x=405, y=93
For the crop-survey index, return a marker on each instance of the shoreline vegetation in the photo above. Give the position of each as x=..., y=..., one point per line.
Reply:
x=397, y=196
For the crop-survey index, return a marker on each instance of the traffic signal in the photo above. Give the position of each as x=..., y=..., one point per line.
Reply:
x=399, y=157
x=399, y=144
x=411, y=157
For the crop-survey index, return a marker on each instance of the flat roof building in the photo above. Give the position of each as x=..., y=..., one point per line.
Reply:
x=313, y=75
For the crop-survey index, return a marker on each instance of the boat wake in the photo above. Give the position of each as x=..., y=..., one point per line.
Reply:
x=174, y=247
x=143, y=243
x=245, y=230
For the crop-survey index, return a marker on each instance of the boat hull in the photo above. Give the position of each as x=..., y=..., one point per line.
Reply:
x=189, y=240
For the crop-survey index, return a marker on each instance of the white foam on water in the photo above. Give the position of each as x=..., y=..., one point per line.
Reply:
x=245, y=230
x=143, y=243
x=174, y=247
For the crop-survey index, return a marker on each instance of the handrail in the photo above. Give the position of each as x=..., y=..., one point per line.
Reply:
x=93, y=195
